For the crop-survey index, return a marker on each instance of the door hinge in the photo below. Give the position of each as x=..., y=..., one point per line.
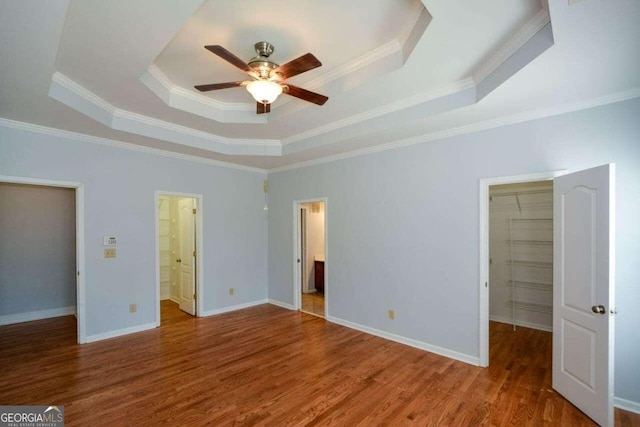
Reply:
x=194, y=254
x=194, y=296
x=194, y=211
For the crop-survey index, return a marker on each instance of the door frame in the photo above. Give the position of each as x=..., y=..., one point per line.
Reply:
x=80, y=249
x=483, y=305
x=297, y=273
x=302, y=215
x=199, y=274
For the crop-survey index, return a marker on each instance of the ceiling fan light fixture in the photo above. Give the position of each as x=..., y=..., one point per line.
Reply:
x=264, y=91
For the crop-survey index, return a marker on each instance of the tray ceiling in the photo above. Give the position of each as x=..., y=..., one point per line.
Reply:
x=394, y=70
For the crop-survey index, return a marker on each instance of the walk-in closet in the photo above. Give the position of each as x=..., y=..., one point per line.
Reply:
x=521, y=254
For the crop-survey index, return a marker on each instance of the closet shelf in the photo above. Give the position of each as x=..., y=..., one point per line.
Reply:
x=531, y=285
x=530, y=306
x=530, y=242
x=523, y=263
x=521, y=193
x=529, y=219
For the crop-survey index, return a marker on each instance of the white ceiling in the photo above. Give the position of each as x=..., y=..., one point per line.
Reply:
x=396, y=71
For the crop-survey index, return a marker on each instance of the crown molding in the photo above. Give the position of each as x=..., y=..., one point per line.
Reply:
x=73, y=95
x=386, y=57
x=384, y=51
x=186, y=100
x=515, y=43
x=471, y=128
x=392, y=107
x=182, y=99
x=76, y=136
x=461, y=130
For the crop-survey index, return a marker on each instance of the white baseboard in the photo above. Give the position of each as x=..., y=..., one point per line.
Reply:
x=36, y=315
x=472, y=360
x=232, y=308
x=281, y=304
x=522, y=323
x=627, y=405
x=120, y=332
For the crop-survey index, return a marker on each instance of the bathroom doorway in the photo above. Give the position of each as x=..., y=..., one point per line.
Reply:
x=311, y=284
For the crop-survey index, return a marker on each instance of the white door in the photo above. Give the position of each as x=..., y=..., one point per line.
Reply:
x=583, y=295
x=186, y=251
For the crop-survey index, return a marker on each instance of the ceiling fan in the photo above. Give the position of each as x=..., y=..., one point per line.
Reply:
x=268, y=77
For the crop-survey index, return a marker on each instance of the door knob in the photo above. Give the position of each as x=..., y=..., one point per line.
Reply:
x=598, y=309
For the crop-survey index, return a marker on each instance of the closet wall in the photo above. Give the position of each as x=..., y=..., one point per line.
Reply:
x=167, y=239
x=521, y=251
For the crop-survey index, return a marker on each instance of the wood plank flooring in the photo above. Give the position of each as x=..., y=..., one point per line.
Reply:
x=270, y=366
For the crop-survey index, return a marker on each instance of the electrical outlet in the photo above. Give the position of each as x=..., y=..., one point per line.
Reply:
x=133, y=308
x=110, y=253
x=231, y=291
x=392, y=314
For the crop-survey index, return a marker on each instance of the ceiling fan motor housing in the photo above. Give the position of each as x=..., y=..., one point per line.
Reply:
x=261, y=63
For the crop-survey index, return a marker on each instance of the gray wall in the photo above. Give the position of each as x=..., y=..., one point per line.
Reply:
x=37, y=248
x=403, y=226
x=120, y=201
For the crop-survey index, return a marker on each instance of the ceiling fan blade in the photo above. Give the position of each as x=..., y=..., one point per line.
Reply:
x=231, y=58
x=216, y=86
x=307, y=95
x=263, y=108
x=298, y=66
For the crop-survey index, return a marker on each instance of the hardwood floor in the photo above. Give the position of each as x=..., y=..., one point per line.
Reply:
x=270, y=366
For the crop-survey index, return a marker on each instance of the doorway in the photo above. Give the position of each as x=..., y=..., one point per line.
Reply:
x=485, y=260
x=72, y=273
x=178, y=252
x=521, y=254
x=583, y=283
x=310, y=284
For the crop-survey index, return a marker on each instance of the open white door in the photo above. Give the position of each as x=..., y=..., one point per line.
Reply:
x=583, y=296
x=186, y=224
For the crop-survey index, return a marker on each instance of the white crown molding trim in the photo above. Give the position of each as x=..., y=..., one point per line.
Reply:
x=120, y=332
x=121, y=145
x=185, y=100
x=515, y=43
x=627, y=405
x=222, y=310
x=82, y=92
x=175, y=96
x=473, y=127
x=383, y=110
x=411, y=24
x=356, y=64
x=79, y=98
x=166, y=83
x=472, y=360
x=36, y=315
